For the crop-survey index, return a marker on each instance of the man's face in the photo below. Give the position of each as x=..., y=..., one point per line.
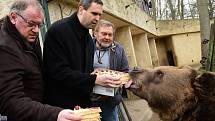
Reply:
x=28, y=22
x=91, y=16
x=104, y=36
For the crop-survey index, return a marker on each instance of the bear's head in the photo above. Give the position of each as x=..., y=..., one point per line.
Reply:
x=173, y=91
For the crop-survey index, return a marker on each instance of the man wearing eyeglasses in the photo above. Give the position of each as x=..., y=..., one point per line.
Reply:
x=21, y=86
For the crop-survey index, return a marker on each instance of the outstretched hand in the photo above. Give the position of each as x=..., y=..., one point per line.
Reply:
x=108, y=81
x=68, y=115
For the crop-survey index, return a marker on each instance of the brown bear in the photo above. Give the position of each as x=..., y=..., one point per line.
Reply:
x=176, y=94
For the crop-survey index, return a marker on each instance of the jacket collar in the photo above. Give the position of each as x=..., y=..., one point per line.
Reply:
x=13, y=32
x=80, y=30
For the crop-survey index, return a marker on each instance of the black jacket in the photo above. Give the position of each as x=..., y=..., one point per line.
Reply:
x=68, y=61
x=21, y=85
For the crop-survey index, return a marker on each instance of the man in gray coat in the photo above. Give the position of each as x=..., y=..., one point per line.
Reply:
x=108, y=54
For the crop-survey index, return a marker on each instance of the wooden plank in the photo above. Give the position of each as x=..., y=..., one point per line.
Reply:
x=142, y=51
x=210, y=65
x=212, y=68
x=123, y=36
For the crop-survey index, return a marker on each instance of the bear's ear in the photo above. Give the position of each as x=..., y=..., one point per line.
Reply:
x=185, y=67
x=204, y=85
x=206, y=79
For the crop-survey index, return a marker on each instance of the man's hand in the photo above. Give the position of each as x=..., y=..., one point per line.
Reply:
x=108, y=81
x=68, y=115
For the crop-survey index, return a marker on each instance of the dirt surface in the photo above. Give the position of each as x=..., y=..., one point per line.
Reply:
x=140, y=111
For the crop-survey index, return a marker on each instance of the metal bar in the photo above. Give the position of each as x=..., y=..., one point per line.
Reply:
x=120, y=113
x=46, y=12
x=46, y=19
x=126, y=111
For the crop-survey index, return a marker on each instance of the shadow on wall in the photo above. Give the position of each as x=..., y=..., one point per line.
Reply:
x=170, y=58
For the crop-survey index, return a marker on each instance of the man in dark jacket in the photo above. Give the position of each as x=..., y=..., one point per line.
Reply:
x=108, y=54
x=21, y=86
x=68, y=58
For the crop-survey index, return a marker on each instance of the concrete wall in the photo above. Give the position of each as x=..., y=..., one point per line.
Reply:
x=4, y=7
x=56, y=12
x=187, y=48
x=168, y=27
x=132, y=14
x=123, y=36
x=153, y=51
x=182, y=37
x=162, y=51
x=142, y=51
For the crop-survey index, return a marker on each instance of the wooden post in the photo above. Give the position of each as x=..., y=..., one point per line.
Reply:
x=154, y=53
x=210, y=65
x=142, y=51
x=123, y=36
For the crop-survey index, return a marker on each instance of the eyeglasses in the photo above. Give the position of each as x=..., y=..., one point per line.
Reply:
x=30, y=23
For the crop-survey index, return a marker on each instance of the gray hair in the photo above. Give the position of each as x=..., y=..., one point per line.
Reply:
x=86, y=3
x=20, y=5
x=103, y=22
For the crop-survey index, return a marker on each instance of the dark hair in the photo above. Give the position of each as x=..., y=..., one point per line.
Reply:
x=20, y=5
x=86, y=3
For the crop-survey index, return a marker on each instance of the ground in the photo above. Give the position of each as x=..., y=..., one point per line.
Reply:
x=140, y=111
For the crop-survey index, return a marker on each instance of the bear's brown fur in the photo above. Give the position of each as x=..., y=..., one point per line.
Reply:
x=176, y=94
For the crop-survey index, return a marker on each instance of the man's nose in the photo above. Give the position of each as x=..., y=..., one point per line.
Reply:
x=97, y=17
x=36, y=29
x=107, y=36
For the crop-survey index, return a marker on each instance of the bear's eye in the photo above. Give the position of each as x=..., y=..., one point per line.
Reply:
x=158, y=77
x=159, y=74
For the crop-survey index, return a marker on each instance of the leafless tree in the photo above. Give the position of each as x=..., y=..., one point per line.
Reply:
x=172, y=9
x=154, y=9
x=180, y=9
x=211, y=8
x=204, y=28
